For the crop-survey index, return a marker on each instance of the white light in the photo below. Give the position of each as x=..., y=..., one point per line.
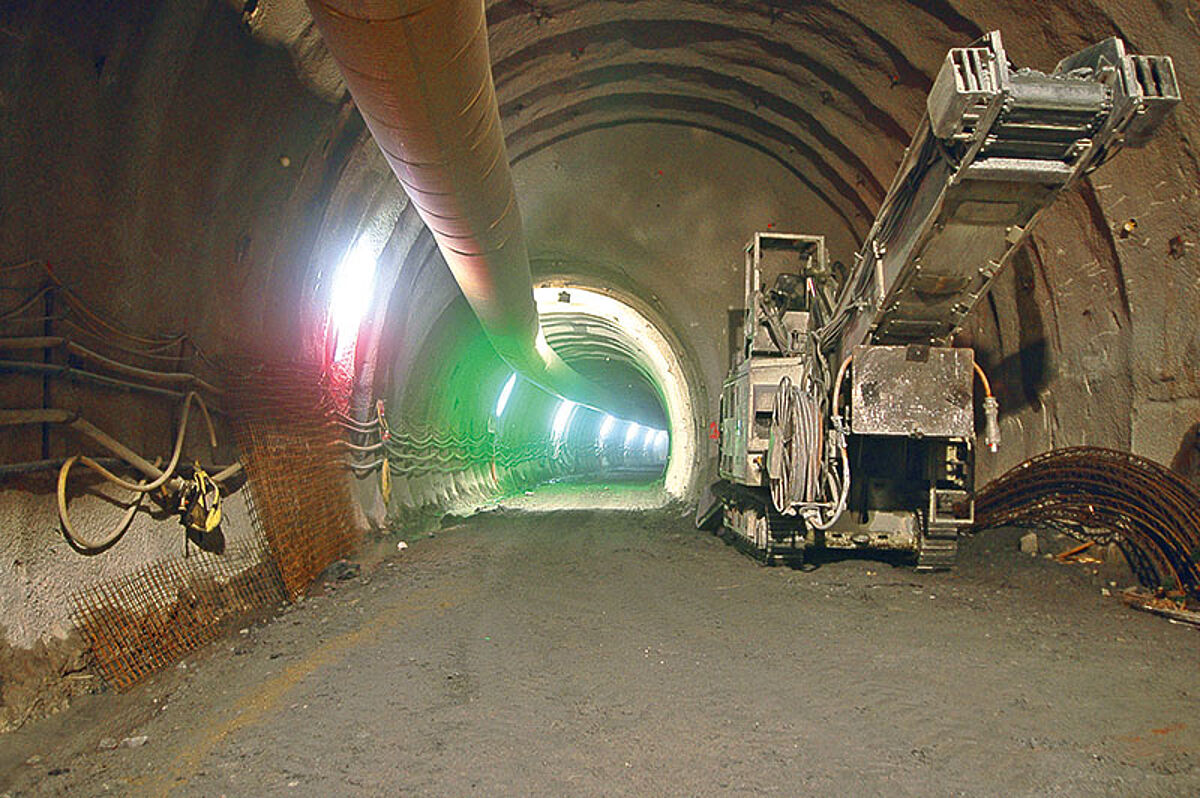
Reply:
x=660, y=438
x=505, y=392
x=605, y=428
x=350, y=294
x=632, y=433
x=562, y=418
x=656, y=353
x=649, y=436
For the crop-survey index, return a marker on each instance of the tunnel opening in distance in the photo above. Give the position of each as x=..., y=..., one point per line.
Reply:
x=610, y=340
x=483, y=435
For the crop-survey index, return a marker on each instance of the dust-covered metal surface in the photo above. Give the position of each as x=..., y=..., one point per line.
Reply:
x=997, y=146
x=917, y=391
x=746, y=421
x=1094, y=492
x=147, y=620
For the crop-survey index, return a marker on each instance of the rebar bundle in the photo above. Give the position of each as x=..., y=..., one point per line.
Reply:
x=1094, y=493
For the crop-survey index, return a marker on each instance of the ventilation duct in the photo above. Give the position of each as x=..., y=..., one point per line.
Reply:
x=421, y=76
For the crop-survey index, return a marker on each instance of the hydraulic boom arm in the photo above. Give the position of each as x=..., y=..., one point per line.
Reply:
x=997, y=145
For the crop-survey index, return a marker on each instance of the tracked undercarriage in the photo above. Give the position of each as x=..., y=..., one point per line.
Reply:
x=849, y=418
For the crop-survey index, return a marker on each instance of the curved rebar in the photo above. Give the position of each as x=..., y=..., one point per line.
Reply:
x=1149, y=507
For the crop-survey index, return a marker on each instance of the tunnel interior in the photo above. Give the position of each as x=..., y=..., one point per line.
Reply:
x=192, y=200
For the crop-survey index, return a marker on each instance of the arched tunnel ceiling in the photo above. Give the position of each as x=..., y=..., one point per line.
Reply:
x=601, y=351
x=650, y=139
x=799, y=82
x=829, y=90
x=715, y=71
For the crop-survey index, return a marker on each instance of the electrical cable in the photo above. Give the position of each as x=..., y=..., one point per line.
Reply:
x=26, y=303
x=109, y=537
x=987, y=386
x=170, y=469
x=54, y=342
x=151, y=354
x=373, y=447
x=82, y=375
x=837, y=385
x=157, y=343
x=18, y=266
x=140, y=488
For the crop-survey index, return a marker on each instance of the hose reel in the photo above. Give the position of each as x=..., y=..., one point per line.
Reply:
x=795, y=446
x=802, y=460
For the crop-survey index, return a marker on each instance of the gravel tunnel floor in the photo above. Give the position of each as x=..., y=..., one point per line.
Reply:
x=591, y=653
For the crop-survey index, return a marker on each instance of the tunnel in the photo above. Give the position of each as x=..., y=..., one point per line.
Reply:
x=335, y=463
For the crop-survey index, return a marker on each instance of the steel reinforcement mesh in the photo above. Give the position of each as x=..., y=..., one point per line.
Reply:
x=1091, y=492
x=301, y=512
x=299, y=494
x=151, y=618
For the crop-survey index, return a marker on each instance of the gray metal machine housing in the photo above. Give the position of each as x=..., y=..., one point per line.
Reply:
x=890, y=464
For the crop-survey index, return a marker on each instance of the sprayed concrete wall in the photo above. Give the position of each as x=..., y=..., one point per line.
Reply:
x=150, y=153
x=195, y=167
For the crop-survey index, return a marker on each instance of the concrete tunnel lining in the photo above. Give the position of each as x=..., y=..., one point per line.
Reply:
x=654, y=351
x=177, y=114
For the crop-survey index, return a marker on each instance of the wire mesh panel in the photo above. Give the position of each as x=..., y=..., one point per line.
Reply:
x=149, y=619
x=300, y=496
x=301, y=512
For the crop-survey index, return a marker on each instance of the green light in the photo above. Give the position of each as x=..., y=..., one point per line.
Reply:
x=505, y=392
x=562, y=418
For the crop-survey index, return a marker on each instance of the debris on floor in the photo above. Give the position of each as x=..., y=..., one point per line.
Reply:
x=1159, y=603
x=341, y=571
x=1074, y=551
x=1029, y=543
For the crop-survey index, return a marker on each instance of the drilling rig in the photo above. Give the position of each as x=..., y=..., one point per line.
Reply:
x=848, y=417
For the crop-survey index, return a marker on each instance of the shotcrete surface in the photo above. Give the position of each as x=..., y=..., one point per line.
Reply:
x=588, y=653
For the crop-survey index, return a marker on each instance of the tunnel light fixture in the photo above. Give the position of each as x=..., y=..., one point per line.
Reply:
x=562, y=418
x=631, y=433
x=656, y=354
x=350, y=294
x=662, y=444
x=605, y=428
x=505, y=393
x=651, y=433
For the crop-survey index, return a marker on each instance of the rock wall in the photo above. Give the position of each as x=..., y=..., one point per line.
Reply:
x=153, y=152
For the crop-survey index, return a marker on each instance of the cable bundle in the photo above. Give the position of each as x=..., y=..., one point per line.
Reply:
x=794, y=454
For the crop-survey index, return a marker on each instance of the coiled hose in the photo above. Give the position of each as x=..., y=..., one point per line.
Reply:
x=797, y=439
x=795, y=459
x=838, y=439
x=139, y=488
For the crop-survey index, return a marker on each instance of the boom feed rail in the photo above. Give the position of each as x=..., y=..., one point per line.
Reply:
x=996, y=147
x=892, y=467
